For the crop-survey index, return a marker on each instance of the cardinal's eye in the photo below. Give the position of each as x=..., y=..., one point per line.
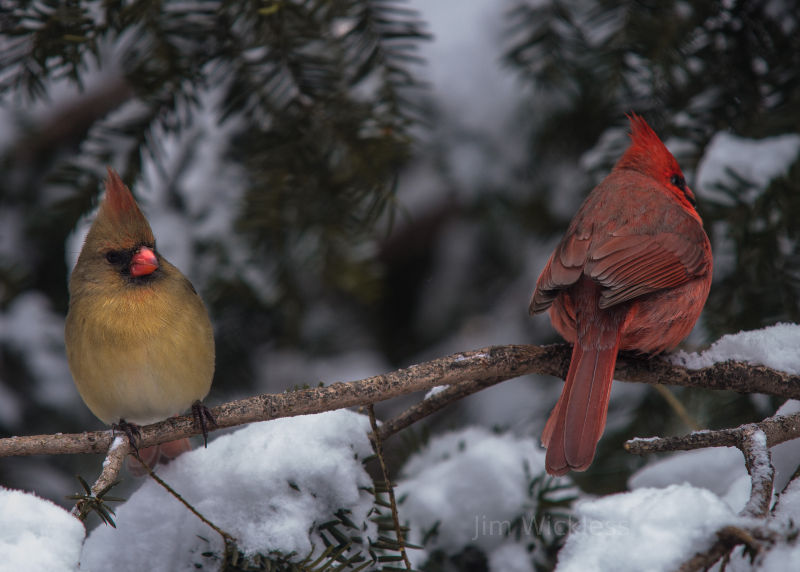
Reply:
x=114, y=257
x=678, y=181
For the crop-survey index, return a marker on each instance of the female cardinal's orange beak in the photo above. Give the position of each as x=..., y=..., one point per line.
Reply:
x=143, y=262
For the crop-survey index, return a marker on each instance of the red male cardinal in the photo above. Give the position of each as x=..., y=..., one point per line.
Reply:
x=139, y=342
x=632, y=272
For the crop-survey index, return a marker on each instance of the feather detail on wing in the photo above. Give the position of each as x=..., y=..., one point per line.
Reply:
x=563, y=269
x=626, y=266
x=634, y=265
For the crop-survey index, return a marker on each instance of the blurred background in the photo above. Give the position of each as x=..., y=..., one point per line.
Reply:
x=356, y=186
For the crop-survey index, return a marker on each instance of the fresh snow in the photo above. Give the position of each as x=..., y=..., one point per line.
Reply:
x=756, y=161
x=646, y=529
x=435, y=390
x=470, y=484
x=36, y=535
x=720, y=470
x=775, y=346
x=267, y=484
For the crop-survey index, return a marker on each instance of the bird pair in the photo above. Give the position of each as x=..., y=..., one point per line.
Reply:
x=632, y=272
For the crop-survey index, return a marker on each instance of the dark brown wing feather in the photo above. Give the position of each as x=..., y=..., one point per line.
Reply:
x=563, y=269
x=625, y=265
x=634, y=265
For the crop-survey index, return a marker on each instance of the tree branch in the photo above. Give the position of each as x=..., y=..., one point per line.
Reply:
x=501, y=362
x=488, y=366
x=728, y=538
x=762, y=473
x=432, y=404
x=778, y=429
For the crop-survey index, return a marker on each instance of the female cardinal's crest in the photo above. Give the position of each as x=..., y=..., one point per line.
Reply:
x=119, y=201
x=119, y=208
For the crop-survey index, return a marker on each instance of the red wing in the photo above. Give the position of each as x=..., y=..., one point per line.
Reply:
x=627, y=266
x=633, y=265
x=562, y=270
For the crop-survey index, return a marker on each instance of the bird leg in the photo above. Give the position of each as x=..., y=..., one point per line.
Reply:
x=203, y=419
x=131, y=430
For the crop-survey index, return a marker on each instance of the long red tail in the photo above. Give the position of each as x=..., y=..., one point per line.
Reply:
x=578, y=419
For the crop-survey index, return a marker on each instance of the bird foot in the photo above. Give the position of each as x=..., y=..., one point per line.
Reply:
x=203, y=419
x=131, y=431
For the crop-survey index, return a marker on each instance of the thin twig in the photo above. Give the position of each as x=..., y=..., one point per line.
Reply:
x=778, y=429
x=115, y=458
x=229, y=540
x=378, y=446
x=432, y=404
x=112, y=465
x=677, y=407
x=728, y=538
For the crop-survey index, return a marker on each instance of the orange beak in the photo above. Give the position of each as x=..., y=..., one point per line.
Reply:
x=144, y=262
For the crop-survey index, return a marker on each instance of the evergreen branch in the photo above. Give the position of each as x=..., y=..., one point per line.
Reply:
x=377, y=444
x=44, y=39
x=116, y=452
x=294, y=67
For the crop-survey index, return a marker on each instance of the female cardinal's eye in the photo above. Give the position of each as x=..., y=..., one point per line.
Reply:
x=114, y=257
x=678, y=181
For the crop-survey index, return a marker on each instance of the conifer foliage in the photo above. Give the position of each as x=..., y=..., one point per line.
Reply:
x=314, y=102
x=693, y=68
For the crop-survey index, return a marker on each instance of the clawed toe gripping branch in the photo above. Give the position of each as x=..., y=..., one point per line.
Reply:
x=132, y=431
x=464, y=373
x=203, y=420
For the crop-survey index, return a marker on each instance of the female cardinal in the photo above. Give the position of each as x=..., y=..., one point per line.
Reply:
x=632, y=272
x=139, y=342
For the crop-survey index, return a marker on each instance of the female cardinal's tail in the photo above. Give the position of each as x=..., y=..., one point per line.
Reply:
x=578, y=419
x=162, y=453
